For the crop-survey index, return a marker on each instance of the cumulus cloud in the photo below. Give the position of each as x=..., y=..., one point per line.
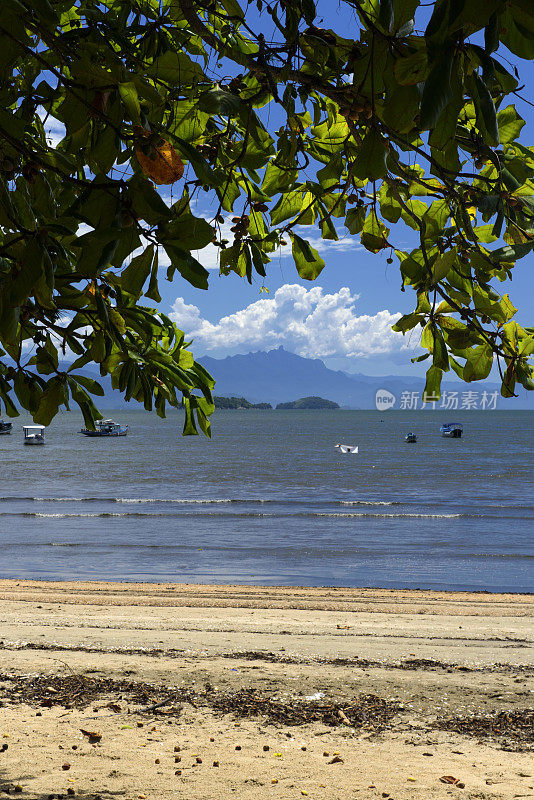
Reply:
x=309, y=322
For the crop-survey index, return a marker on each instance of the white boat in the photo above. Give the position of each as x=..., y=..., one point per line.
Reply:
x=5, y=427
x=34, y=434
x=452, y=430
x=106, y=427
x=346, y=448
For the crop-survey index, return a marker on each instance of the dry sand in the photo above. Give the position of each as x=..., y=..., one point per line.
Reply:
x=233, y=691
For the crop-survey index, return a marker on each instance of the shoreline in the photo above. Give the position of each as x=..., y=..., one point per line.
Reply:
x=156, y=690
x=241, y=588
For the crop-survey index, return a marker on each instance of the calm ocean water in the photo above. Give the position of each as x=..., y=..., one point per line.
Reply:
x=269, y=501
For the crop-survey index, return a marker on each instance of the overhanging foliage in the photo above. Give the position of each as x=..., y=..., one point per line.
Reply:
x=397, y=124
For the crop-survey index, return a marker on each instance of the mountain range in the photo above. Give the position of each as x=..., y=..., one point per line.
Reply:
x=278, y=376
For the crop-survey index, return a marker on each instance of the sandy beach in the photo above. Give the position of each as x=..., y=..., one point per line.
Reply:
x=166, y=691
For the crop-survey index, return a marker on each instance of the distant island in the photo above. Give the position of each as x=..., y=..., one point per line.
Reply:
x=306, y=403
x=239, y=403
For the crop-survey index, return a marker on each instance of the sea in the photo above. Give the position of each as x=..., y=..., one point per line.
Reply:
x=270, y=501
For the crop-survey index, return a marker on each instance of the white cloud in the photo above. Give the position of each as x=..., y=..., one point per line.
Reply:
x=308, y=322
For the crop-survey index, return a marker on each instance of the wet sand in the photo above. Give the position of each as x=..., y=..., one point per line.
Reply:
x=255, y=685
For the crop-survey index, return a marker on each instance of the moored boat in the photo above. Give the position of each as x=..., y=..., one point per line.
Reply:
x=106, y=427
x=410, y=438
x=346, y=448
x=5, y=427
x=34, y=434
x=452, y=430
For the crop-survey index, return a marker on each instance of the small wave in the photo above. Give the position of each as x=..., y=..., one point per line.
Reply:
x=385, y=515
x=370, y=503
x=140, y=514
x=180, y=502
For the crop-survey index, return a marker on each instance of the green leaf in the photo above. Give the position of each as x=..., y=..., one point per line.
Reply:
x=478, y=364
x=176, y=68
x=189, y=232
x=509, y=123
x=355, y=219
x=307, y=260
x=289, y=205
x=134, y=276
x=371, y=160
x=188, y=267
x=219, y=101
x=443, y=264
x=374, y=234
x=153, y=291
x=53, y=396
x=130, y=98
x=412, y=69
x=407, y=323
x=437, y=91
x=88, y=383
x=486, y=113
x=278, y=179
x=432, y=390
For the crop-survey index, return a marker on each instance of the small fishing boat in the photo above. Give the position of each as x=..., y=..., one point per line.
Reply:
x=106, y=427
x=410, y=438
x=34, y=434
x=5, y=427
x=452, y=430
x=346, y=448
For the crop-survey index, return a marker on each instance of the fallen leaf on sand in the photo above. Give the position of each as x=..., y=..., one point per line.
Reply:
x=93, y=736
x=452, y=780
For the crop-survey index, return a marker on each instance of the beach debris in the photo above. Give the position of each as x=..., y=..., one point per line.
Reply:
x=198, y=760
x=238, y=747
x=80, y=691
x=450, y=779
x=65, y=766
x=93, y=736
x=274, y=780
x=215, y=763
x=113, y=706
x=178, y=772
x=278, y=755
x=326, y=754
x=316, y=696
x=515, y=728
x=343, y=627
x=71, y=791
x=266, y=748
x=177, y=759
x=336, y=760
x=343, y=717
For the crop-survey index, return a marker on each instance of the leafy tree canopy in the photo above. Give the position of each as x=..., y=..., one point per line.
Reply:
x=408, y=117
